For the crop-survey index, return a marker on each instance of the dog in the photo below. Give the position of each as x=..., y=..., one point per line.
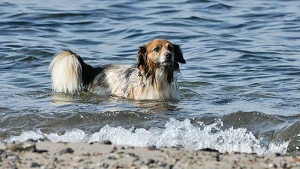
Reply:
x=154, y=76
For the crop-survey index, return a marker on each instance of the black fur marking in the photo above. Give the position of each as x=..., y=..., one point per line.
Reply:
x=128, y=72
x=99, y=72
x=88, y=72
x=127, y=75
x=141, y=56
x=170, y=76
x=168, y=70
x=178, y=54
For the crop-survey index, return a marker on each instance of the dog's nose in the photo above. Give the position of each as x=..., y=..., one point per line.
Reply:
x=168, y=55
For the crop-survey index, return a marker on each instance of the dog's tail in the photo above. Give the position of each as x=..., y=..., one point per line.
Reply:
x=67, y=72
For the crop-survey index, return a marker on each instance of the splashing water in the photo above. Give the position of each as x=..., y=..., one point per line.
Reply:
x=175, y=133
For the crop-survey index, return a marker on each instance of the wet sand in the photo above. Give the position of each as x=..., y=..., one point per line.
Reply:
x=105, y=155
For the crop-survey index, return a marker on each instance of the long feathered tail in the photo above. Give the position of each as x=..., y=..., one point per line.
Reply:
x=69, y=74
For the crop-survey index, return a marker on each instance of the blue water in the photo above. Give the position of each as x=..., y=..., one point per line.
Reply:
x=241, y=81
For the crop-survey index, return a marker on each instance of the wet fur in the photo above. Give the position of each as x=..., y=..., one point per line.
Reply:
x=154, y=76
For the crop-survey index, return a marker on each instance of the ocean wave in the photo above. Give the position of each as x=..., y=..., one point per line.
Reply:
x=175, y=134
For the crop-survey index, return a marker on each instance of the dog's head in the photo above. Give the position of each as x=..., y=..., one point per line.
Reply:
x=159, y=53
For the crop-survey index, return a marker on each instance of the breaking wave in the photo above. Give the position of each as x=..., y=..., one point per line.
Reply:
x=175, y=134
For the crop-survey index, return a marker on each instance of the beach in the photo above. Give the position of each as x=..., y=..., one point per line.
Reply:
x=47, y=154
x=239, y=89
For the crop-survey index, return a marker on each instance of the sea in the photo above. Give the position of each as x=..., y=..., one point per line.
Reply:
x=240, y=87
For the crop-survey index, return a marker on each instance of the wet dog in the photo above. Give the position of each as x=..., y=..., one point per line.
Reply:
x=154, y=76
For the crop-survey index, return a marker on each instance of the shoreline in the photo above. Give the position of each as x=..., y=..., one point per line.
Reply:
x=105, y=155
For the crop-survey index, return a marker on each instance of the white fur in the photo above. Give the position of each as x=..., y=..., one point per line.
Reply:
x=141, y=88
x=65, y=73
x=170, y=91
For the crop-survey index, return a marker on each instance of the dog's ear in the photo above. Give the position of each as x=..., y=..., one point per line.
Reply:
x=178, y=54
x=141, y=56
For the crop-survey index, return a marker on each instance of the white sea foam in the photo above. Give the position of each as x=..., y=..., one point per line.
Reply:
x=175, y=133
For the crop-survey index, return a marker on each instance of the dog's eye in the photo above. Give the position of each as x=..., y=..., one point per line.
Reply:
x=171, y=48
x=156, y=49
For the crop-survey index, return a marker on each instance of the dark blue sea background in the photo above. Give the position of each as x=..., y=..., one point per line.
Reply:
x=240, y=87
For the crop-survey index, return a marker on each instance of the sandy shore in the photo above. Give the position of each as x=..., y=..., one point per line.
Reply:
x=105, y=155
